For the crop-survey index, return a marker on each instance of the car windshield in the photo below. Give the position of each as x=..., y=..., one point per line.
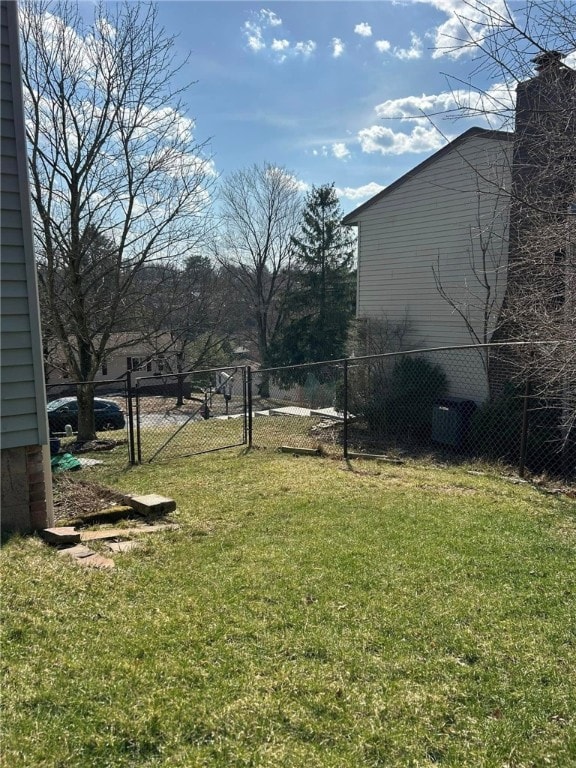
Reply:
x=55, y=404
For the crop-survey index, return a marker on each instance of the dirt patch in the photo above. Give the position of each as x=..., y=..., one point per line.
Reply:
x=75, y=498
x=93, y=445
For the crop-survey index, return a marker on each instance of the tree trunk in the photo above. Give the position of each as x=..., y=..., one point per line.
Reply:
x=264, y=385
x=86, y=425
x=179, y=381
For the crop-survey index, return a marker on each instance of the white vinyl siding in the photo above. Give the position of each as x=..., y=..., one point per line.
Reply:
x=23, y=402
x=434, y=217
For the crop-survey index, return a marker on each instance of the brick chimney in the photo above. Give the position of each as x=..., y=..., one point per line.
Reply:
x=543, y=182
x=548, y=61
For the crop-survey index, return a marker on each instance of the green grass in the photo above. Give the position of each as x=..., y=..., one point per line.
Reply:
x=304, y=615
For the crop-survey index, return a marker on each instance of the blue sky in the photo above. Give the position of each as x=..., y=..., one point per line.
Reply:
x=318, y=87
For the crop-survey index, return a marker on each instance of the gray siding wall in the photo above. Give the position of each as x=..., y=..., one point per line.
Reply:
x=23, y=419
x=434, y=219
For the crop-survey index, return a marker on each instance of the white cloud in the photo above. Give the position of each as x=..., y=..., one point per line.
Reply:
x=105, y=28
x=363, y=29
x=270, y=18
x=410, y=107
x=452, y=38
x=305, y=48
x=489, y=106
x=337, y=47
x=340, y=150
x=253, y=35
x=278, y=46
x=255, y=43
x=359, y=193
x=300, y=185
x=414, y=52
x=383, y=45
x=379, y=138
x=254, y=29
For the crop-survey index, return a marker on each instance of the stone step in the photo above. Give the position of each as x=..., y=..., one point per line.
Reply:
x=152, y=504
x=123, y=533
x=65, y=534
x=87, y=557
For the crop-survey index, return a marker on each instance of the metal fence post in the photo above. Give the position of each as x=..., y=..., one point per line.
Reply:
x=129, y=393
x=345, y=400
x=248, y=403
x=524, y=432
x=138, y=426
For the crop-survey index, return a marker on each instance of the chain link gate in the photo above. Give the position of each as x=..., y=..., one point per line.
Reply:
x=190, y=413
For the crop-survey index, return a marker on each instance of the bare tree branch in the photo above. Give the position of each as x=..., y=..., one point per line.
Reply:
x=118, y=179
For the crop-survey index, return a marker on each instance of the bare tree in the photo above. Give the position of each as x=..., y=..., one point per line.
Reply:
x=521, y=48
x=261, y=209
x=118, y=180
x=192, y=328
x=477, y=299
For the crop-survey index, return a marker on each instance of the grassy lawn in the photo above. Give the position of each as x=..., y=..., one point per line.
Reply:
x=307, y=613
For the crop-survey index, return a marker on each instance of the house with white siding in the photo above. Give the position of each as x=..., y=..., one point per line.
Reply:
x=433, y=250
x=26, y=474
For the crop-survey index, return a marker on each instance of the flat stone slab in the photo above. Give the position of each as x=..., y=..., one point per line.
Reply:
x=65, y=534
x=331, y=413
x=290, y=410
x=300, y=451
x=87, y=557
x=261, y=413
x=151, y=504
x=374, y=457
x=78, y=551
x=119, y=533
x=122, y=546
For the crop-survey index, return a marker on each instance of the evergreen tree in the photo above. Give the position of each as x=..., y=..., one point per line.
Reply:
x=321, y=304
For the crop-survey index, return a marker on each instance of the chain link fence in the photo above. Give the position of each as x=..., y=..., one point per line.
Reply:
x=189, y=413
x=296, y=406
x=510, y=404
x=452, y=404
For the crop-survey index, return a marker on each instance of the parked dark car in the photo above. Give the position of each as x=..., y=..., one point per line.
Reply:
x=107, y=415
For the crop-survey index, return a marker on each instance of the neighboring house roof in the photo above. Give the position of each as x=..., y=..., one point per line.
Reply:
x=133, y=343
x=352, y=217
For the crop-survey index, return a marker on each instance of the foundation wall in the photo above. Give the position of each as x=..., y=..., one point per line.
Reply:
x=26, y=500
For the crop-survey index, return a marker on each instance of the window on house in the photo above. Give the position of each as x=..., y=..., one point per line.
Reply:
x=104, y=368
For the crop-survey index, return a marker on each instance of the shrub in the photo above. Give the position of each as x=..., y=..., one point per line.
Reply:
x=398, y=399
x=495, y=428
x=415, y=385
x=496, y=432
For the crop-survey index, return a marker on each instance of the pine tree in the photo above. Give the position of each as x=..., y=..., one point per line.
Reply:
x=321, y=304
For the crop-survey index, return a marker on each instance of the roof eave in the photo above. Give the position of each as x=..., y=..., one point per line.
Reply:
x=351, y=219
